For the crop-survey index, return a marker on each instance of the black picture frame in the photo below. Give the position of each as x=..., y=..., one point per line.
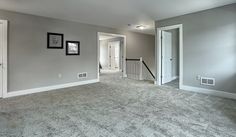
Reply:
x=59, y=36
x=72, y=53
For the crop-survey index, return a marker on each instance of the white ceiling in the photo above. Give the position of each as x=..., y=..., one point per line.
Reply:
x=105, y=37
x=112, y=13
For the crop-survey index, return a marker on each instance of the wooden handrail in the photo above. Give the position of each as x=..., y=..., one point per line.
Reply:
x=149, y=69
x=132, y=59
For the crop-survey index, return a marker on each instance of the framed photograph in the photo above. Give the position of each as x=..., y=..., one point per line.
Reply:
x=55, y=41
x=72, y=48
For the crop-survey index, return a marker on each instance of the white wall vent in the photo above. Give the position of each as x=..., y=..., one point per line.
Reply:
x=82, y=75
x=207, y=81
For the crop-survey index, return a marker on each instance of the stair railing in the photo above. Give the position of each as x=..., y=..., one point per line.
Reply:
x=134, y=68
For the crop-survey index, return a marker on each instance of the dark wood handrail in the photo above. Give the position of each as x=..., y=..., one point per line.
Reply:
x=144, y=65
x=132, y=59
x=148, y=69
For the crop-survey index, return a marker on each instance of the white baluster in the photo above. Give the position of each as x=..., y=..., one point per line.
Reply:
x=141, y=69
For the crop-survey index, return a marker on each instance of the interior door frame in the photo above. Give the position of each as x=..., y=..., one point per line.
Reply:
x=158, y=53
x=4, y=54
x=124, y=52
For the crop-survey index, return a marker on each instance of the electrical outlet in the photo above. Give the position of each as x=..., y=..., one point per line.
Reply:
x=59, y=75
x=82, y=75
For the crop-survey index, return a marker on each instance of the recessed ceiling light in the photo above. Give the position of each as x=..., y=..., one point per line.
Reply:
x=140, y=27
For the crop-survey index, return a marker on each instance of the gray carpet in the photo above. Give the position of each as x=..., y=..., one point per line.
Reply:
x=174, y=83
x=117, y=107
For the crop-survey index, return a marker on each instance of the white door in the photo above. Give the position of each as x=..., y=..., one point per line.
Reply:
x=1, y=59
x=114, y=55
x=166, y=57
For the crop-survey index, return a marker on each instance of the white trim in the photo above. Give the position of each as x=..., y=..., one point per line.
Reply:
x=174, y=78
x=210, y=92
x=98, y=57
x=49, y=88
x=158, y=52
x=171, y=27
x=124, y=51
x=141, y=69
x=156, y=58
x=4, y=61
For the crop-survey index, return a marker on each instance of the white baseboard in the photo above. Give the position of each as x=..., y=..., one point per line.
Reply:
x=217, y=93
x=174, y=78
x=49, y=88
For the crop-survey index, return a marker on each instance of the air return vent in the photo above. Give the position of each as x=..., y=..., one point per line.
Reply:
x=207, y=81
x=82, y=75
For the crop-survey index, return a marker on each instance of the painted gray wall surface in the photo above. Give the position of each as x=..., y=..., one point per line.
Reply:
x=104, y=51
x=209, y=46
x=140, y=45
x=175, y=52
x=32, y=65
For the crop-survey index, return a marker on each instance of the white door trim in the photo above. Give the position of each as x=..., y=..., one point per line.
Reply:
x=124, y=52
x=4, y=61
x=158, y=53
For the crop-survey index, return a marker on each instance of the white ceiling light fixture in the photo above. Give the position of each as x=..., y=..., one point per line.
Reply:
x=93, y=11
x=140, y=27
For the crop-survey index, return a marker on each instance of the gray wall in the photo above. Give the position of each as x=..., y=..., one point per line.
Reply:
x=32, y=65
x=140, y=45
x=175, y=52
x=209, y=46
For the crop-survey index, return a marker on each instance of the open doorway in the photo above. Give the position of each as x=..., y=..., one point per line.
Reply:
x=113, y=58
x=170, y=56
x=111, y=51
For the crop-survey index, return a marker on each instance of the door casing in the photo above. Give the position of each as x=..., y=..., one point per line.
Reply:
x=158, y=53
x=3, y=60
